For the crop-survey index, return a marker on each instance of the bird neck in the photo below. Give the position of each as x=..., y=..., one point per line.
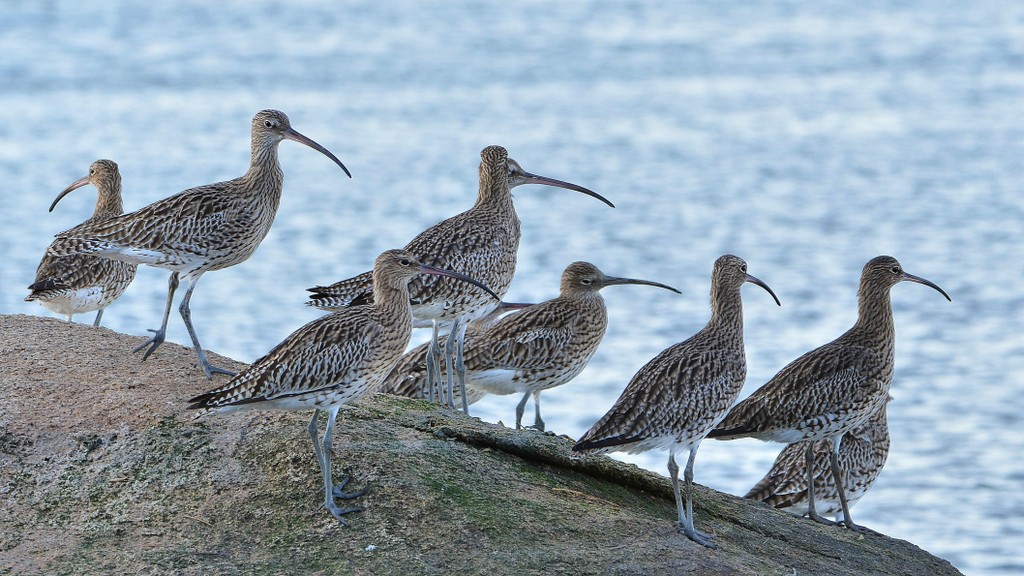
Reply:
x=727, y=312
x=108, y=202
x=591, y=301
x=392, y=301
x=264, y=166
x=874, y=316
x=494, y=196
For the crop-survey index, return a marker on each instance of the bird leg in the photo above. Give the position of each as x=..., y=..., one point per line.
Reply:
x=460, y=362
x=323, y=457
x=520, y=409
x=538, y=423
x=837, y=476
x=685, y=524
x=449, y=361
x=158, y=335
x=434, y=367
x=811, y=512
x=99, y=315
x=186, y=315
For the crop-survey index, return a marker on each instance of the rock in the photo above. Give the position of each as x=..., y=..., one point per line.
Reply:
x=103, y=471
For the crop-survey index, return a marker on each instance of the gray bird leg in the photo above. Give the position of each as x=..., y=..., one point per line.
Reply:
x=316, y=440
x=434, y=367
x=538, y=422
x=460, y=362
x=812, y=513
x=99, y=315
x=686, y=520
x=449, y=361
x=158, y=335
x=186, y=315
x=837, y=476
x=323, y=456
x=337, y=490
x=520, y=409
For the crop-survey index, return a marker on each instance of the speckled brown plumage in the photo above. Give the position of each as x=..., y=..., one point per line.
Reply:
x=200, y=229
x=862, y=454
x=545, y=345
x=332, y=360
x=835, y=388
x=481, y=242
x=679, y=396
x=82, y=283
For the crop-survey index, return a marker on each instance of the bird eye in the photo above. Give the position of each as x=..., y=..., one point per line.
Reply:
x=586, y=281
x=896, y=270
x=404, y=262
x=268, y=123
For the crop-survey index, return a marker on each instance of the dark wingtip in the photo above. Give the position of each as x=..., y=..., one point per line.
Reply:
x=199, y=402
x=603, y=443
x=727, y=434
x=46, y=284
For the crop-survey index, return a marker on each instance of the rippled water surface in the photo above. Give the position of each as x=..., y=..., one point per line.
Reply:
x=804, y=137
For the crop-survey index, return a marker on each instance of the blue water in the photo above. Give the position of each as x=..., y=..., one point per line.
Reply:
x=804, y=137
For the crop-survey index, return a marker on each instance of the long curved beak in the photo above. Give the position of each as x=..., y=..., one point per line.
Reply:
x=919, y=280
x=74, y=186
x=508, y=306
x=424, y=269
x=529, y=178
x=612, y=280
x=291, y=134
x=753, y=280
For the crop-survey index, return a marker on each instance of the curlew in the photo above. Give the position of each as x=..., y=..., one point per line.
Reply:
x=201, y=229
x=832, y=389
x=481, y=242
x=683, y=392
x=862, y=454
x=81, y=283
x=409, y=376
x=332, y=361
x=546, y=345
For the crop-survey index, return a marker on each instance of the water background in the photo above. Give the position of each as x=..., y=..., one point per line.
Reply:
x=804, y=137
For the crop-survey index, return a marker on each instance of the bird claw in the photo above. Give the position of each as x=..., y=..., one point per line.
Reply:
x=338, y=512
x=215, y=370
x=855, y=527
x=339, y=491
x=152, y=344
x=697, y=536
x=822, y=520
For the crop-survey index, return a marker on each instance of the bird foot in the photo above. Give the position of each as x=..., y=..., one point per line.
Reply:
x=338, y=512
x=339, y=491
x=153, y=343
x=822, y=520
x=856, y=527
x=701, y=538
x=210, y=370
